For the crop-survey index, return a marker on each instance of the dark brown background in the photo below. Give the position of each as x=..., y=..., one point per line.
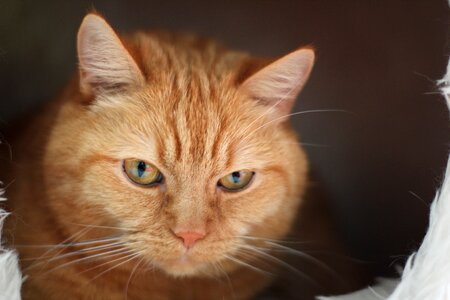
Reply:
x=379, y=60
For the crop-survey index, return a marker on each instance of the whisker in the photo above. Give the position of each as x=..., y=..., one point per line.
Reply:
x=340, y=256
x=115, y=266
x=432, y=93
x=375, y=293
x=218, y=276
x=282, y=263
x=298, y=113
x=86, y=250
x=131, y=276
x=311, y=258
x=313, y=145
x=65, y=245
x=214, y=275
x=418, y=197
x=149, y=268
x=54, y=247
x=255, y=238
x=127, y=254
x=102, y=226
x=269, y=109
x=230, y=284
x=304, y=255
x=243, y=263
x=95, y=241
x=297, y=143
x=87, y=258
x=250, y=256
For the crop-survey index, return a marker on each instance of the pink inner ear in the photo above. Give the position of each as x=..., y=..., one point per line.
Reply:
x=105, y=64
x=280, y=82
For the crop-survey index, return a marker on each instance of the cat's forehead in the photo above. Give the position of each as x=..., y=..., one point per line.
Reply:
x=194, y=129
x=200, y=128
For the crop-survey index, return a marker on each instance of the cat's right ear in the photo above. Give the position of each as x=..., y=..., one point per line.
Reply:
x=105, y=64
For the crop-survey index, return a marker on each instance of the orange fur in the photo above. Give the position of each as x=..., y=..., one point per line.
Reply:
x=181, y=105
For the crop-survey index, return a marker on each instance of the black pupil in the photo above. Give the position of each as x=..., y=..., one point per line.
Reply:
x=141, y=167
x=236, y=176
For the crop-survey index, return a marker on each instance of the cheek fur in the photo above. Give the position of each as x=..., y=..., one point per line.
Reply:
x=107, y=187
x=262, y=201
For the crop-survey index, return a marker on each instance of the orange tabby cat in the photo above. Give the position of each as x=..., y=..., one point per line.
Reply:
x=160, y=172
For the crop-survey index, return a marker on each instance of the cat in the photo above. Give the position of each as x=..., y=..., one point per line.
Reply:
x=166, y=169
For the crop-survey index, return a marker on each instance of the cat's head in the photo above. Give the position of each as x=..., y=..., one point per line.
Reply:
x=182, y=144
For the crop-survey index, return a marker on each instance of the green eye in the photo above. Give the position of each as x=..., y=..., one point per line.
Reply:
x=142, y=172
x=236, y=181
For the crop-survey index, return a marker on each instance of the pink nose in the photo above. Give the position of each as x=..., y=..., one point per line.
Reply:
x=190, y=237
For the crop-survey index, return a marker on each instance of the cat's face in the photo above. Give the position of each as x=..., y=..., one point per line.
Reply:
x=192, y=166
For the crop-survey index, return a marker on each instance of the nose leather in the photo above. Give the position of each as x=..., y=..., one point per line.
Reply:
x=190, y=237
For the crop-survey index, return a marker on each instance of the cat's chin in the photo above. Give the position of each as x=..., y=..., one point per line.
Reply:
x=185, y=266
x=186, y=269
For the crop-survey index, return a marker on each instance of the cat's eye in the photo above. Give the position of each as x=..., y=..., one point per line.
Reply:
x=236, y=181
x=142, y=172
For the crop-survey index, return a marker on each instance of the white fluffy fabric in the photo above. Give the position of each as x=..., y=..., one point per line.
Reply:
x=381, y=290
x=10, y=276
x=427, y=273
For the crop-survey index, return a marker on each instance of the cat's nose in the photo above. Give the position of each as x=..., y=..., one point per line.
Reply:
x=190, y=237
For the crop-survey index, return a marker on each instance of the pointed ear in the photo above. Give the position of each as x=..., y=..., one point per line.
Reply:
x=105, y=64
x=278, y=84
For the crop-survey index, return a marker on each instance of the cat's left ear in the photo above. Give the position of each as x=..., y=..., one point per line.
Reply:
x=278, y=84
x=106, y=66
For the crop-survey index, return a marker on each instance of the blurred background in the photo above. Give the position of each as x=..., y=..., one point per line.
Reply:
x=380, y=163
